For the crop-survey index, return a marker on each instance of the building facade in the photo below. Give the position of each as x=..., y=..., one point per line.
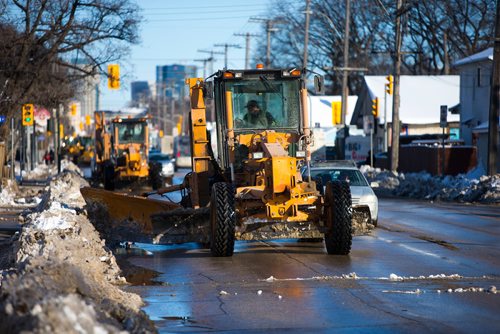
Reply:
x=475, y=86
x=170, y=80
x=140, y=93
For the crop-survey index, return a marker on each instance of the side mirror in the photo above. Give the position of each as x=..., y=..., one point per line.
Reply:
x=319, y=85
x=208, y=90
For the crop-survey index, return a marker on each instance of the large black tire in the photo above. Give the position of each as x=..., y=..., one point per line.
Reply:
x=155, y=178
x=108, y=175
x=338, y=218
x=222, y=219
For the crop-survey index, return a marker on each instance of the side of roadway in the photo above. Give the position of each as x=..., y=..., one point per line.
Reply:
x=57, y=275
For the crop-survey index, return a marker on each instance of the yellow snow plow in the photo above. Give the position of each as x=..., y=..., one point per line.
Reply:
x=254, y=188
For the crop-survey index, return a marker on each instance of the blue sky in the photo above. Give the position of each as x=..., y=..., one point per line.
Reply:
x=172, y=33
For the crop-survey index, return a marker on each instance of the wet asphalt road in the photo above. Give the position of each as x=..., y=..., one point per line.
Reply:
x=315, y=292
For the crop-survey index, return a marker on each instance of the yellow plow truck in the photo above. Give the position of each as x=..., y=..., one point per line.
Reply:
x=254, y=188
x=121, y=152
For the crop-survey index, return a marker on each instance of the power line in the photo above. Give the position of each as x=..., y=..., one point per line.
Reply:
x=205, y=7
x=190, y=13
x=200, y=19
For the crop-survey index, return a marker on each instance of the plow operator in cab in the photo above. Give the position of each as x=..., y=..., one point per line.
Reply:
x=256, y=117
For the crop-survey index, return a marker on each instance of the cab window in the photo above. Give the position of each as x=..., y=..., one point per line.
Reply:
x=278, y=103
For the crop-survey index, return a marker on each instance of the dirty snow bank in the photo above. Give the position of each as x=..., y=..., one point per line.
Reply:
x=43, y=172
x=65, y=280
x=470, y=188
x=8, y=197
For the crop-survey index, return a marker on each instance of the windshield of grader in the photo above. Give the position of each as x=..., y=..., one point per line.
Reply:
x=265, y=104
x=131, y=132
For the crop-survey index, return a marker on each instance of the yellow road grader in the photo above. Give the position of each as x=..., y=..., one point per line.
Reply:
x=254, y=188
x=121, y=151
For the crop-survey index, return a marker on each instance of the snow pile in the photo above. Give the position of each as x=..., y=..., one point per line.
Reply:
x=461, y=188
x=66, y=189
x=43, y=172
x=65, y=279
x=40, y=172
x=9, y=196
x=67, y=165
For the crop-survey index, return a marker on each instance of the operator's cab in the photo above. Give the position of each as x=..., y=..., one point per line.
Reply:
x=257, y=106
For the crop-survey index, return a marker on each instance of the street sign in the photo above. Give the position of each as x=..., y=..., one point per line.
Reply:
x=368, y=121
x=443, y=120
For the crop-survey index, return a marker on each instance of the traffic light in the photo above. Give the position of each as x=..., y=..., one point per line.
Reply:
x=113, y=76
x=375, y=107
x=28, y=114
x=389, y=85
x=72, y=108
x=336, y=112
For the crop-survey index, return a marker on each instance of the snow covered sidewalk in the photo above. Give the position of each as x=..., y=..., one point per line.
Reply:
x=469, y=188
x=64, y=279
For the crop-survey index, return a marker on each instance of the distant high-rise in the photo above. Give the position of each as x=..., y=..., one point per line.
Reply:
x=140, y=92
x=170, y=79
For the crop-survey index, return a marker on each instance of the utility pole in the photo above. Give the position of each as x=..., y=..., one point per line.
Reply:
x=494, y=100
x=269, y=29
x=226, y=46
x=396, y=97
x=205, y=61
x=247, y=47
x=445, y=53
x=306, y=34
x=345, y=89
x=211, y=58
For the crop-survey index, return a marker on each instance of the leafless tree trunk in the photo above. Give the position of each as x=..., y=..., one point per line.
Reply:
x=47, y=46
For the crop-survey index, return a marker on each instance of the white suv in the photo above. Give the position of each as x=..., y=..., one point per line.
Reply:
x=363, y=197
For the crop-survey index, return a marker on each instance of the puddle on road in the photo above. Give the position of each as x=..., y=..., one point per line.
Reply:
x=136, y=275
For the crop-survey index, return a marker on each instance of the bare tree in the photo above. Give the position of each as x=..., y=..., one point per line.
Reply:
x=436, y=33
x=442, y=31
x=43, y=43
x=326, y=36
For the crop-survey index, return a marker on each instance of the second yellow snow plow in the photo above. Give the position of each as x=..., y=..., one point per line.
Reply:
x=254, y=188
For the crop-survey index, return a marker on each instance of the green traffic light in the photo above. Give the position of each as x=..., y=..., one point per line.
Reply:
x=28, y=119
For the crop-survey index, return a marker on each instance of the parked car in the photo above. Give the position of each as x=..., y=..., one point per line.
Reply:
x=167, y=165
x=182, y=152
x=363, y=197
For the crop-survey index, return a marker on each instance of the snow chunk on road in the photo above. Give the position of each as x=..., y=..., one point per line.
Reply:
x=394, y=278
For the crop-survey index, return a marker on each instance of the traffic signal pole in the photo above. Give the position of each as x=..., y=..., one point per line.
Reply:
x=33, y=147
x=386, y=137
x=12, y=153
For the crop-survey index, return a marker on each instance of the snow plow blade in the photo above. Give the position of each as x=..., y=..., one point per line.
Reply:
x=121, y=217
